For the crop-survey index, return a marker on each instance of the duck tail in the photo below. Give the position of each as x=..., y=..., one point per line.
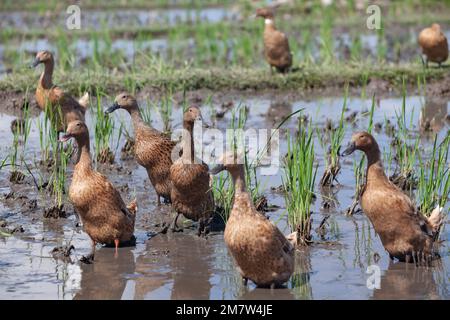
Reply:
x=436, y=219
x=84, y=101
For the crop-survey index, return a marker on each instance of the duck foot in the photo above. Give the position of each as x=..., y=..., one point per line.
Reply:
x=174, y=227
x=203, y=230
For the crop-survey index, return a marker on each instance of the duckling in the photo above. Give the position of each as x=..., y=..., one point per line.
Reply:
x=106, y=218
x=191, y=192
x=152, y=149
x=434, y=44
x=403, y=231
x=62, y=108
x=276, y=43
x=262, y=253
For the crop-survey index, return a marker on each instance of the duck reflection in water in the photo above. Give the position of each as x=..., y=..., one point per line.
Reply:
x=404, y=281
x=176, y=266
x=106, y=279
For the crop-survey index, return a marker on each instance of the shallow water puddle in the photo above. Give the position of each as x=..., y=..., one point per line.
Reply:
x=24, y=20
x=183, y=266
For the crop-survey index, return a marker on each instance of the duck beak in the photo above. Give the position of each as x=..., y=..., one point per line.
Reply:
x=217, y=169
x=65, y=138
x=349, y=150
x=113, y=108
x=35, y=63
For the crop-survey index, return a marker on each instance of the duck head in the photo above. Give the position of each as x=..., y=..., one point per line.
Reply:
x=42, y=57
x=265, y=13
x=75, y=129
x=363, y=141
x=436, y=27
x=230, y=162
x=193, y=114
x=123, y=101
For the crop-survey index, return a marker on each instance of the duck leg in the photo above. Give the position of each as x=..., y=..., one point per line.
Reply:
x=201, y=228
x=116, y=244
x=175, y=227
x=244, y=281
x=158, y=199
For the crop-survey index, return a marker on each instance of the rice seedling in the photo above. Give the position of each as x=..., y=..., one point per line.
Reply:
x=335, y=136
x=21, y=130
x=405, y=154
x=299, y=176
x=381, y=43
x=326, y=38
x=104, y=128
x=57, y=182
x=433, y=185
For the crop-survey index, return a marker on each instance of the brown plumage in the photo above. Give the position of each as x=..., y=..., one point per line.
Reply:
x=106, y=218
x=405, y=233
x=152, y=149
x=62, y=108
x=191, y=192
x=434, y=44
x=262, y=253
x=276, y=44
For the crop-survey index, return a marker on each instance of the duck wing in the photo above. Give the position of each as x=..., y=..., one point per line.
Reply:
x=111, y=194
x=64, y=99
x=278, y=45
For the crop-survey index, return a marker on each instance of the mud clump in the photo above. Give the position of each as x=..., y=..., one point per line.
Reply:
x=63, y=253
x=405, y=182
x=106, y=156
x=127, y=151
x=18, y=126
x=16, y=177
x=7, y=230
x=55, y=212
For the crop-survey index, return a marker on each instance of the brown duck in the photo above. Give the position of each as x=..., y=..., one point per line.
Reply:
x=152, y=149
x=434, y=44
x=106, y=218
x=406, y=234
x=276, y=44
x=191, y=192
x=262, y=253
x=62, y=108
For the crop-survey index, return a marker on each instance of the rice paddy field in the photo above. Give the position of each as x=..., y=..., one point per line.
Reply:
x=171, y=54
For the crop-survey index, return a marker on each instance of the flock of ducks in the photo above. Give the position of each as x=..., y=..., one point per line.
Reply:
x=262, y=253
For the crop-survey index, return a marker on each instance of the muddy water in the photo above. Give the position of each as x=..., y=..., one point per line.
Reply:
x=25, y=20
x=183, y=266
x=399, y=45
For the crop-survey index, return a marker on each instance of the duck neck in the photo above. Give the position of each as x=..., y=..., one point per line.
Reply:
x=375, y=169
x=136, y=117
x=46, y=76
x=240, y=187
x=84, y=155
x=269, y=24
x=188, y=141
